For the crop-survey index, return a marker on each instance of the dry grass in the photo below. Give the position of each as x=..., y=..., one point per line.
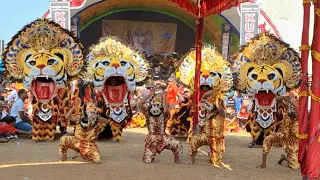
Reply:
x=123, y=160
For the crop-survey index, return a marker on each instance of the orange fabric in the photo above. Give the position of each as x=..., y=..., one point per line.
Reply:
x=172, y=93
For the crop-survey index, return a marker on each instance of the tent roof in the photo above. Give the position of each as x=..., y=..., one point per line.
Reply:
x=209, y=7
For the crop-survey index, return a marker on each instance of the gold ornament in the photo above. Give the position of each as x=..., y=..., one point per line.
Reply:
x=212, y=61
x=40, y=36
x=266, y=49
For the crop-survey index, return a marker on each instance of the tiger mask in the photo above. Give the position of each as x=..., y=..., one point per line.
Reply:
x=156, y=106
x=265, y=82
x=209, y=79
x=89, y=117
x=266, y=68
x=43, y=55
x=115, y=69
x=215, y=73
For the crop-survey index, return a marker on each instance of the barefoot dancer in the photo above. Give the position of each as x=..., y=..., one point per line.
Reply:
x=213, y=133
x=286, y=136
x=86, y=133
x=157, y=140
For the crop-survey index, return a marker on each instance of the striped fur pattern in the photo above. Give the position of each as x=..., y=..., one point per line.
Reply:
x=266, y=68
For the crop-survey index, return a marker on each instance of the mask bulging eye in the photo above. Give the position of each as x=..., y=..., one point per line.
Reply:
x=213, y=73
x=51, y=61
x=105, y=63
x=271, y=76
x=32, y=63
x=254, y=76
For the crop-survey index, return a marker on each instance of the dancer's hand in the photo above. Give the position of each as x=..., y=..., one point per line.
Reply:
x=152, y=92
x=219, y=105
x=94, y=114
x=281, y=98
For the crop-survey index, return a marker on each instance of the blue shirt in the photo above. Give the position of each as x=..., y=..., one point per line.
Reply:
x=238, y=101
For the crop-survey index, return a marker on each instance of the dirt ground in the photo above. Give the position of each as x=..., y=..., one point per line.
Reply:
x=22, y=159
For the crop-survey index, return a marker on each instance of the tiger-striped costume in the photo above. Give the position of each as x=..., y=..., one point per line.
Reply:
x=114, y=70
x=157, y=139
x=43, y=55
x=214, y=75
x=266, y=68
x=86, y=133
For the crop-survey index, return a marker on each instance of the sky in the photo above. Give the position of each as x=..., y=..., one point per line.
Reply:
x=14, y=14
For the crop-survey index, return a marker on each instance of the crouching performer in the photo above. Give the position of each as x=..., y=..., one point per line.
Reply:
x=86, y=132
x=211, y=129
x=157, y=140
x=286, y=135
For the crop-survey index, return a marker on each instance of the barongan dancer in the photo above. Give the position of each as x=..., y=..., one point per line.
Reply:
x=86, y=132
x=286, y=135
x=157, y=140
x=212, y=133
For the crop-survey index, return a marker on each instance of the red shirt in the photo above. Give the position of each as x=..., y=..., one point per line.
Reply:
x=172, y=93
x=7, y=128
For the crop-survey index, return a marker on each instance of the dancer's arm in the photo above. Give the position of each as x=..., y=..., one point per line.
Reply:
x=69, y=113
x=165, y=103
x=288, y=99
x=221, y=107
x=207, y=94
x=102, y=120
x=142, y=101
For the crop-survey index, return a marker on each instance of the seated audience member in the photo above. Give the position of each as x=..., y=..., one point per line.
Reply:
x=23, y=122
x=242, y=116
x=3, y=109
x=13, y=95
x=230, y=122
x=7, y=129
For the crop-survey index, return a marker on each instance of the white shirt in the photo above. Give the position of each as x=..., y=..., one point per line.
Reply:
x=13, y=96
x=16, y=107
x=4, y=114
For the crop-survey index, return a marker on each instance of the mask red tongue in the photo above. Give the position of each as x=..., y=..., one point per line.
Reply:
x=115, y=94
x=43, y=90
x=264, y=98
x=204, y=89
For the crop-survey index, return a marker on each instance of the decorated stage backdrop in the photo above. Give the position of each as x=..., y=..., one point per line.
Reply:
x=154, y=38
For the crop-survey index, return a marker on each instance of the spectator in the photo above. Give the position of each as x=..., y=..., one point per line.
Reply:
x=7, y=129
x=172, y=91
x=3, y=109
x=157, y=75
x=13, y=96
x=231, y=123
x=242, y=116
x=238, y=101
x=230, y=100
x=18, y=111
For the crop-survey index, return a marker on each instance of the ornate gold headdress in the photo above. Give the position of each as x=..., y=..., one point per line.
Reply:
x=43, y=35
x=209, y=58
x=266, y=49
x=111, y=47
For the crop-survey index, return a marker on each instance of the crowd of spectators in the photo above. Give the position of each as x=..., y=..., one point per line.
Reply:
x=13, y=109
